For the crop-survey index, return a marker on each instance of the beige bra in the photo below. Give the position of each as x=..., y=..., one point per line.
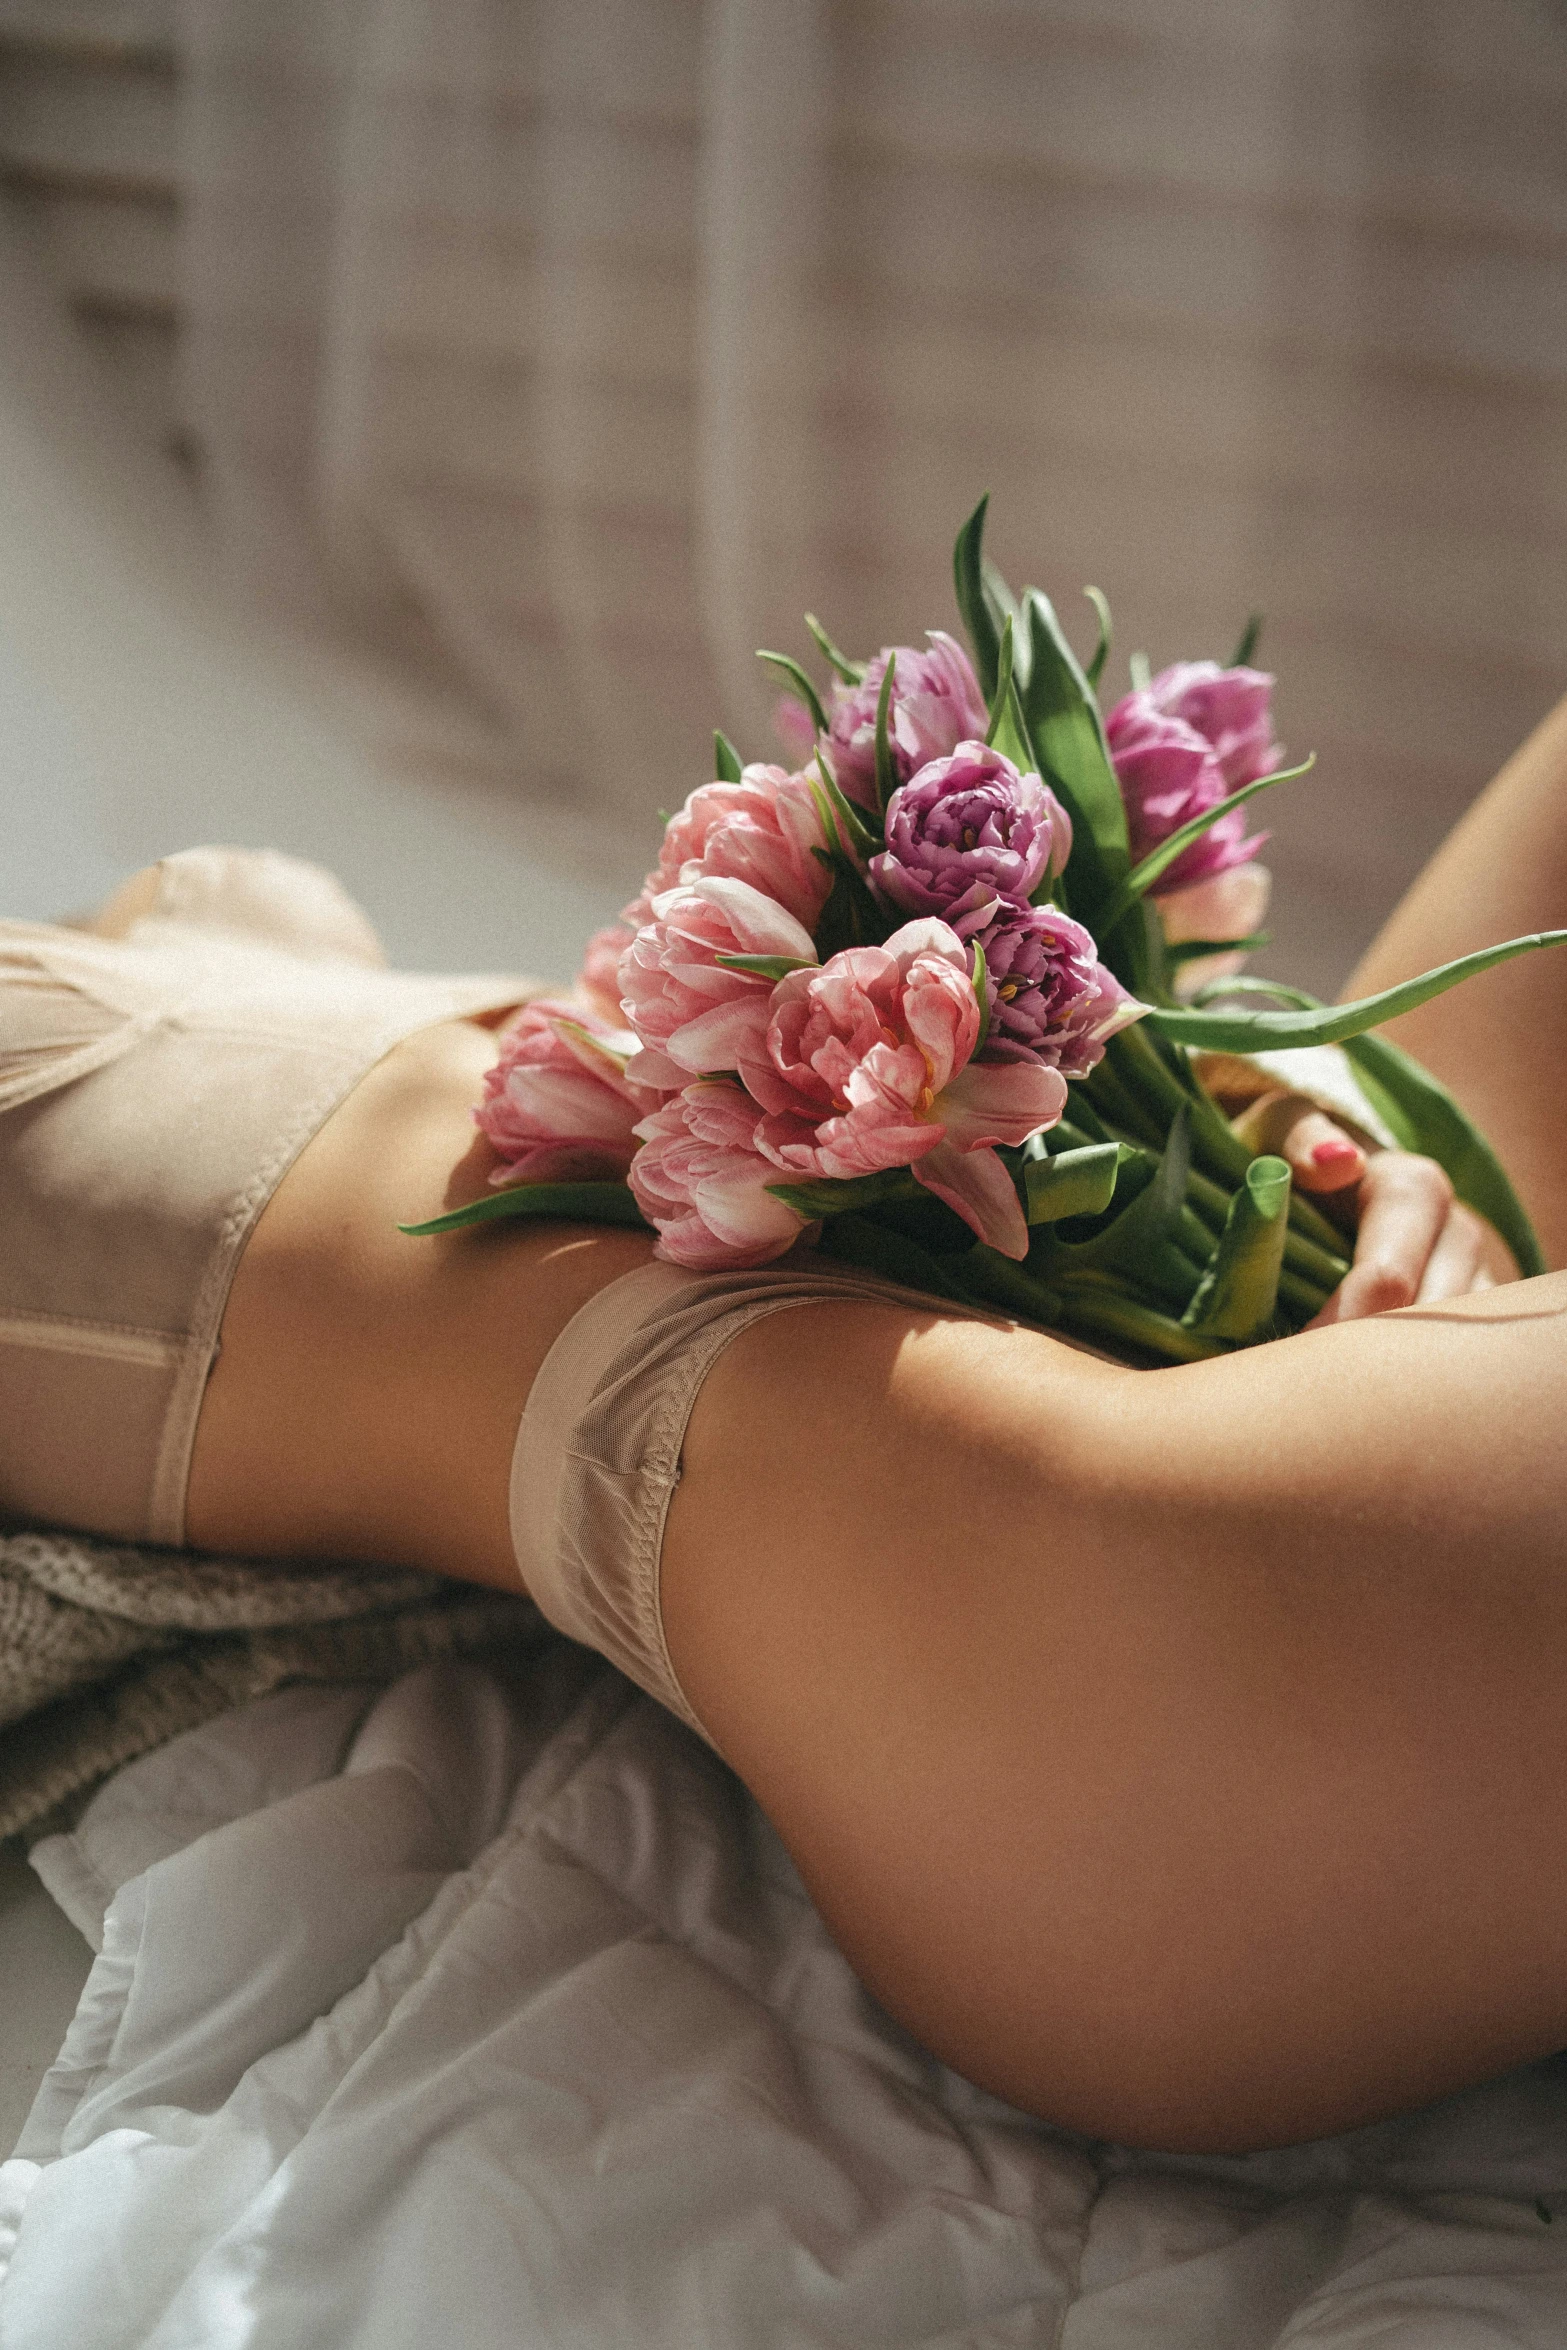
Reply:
x=155, y=1086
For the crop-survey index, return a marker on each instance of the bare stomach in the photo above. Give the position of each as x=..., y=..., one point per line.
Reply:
x=366, y=1397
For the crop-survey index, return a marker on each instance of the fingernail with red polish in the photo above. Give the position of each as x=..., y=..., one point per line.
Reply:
x=1334, y=1153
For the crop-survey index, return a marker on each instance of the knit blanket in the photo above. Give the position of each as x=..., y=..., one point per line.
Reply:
x=108, y=1650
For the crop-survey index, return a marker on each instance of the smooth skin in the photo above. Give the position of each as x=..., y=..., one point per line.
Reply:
x=1182, y=1754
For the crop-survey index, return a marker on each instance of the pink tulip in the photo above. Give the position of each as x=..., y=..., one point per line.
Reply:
x=598, y=982
x=701, y=1180
x=761, y=830
x=935, y=705
x=1230, y=708
x=867, y=1063
x=795, y=729
x=557, y=1105
x=965, y=832
x=1168, y=774
x=692, y=1015
x=1051, y=999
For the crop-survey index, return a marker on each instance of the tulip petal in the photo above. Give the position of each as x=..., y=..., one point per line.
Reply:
x=604, y=1057
x=656, y=1071
x=1000, y=1101
x=927, y=934
x=720, y=1038
x=760, y=924
x=568, y=1105
x=976, y=1185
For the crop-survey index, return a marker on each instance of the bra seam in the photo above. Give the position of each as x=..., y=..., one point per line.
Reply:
x=113, y=1341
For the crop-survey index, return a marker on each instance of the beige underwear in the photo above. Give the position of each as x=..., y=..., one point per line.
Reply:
x=155, y=1086
x=597, y=1457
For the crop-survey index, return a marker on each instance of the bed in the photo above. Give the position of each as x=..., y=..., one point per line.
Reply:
x=486, y=2008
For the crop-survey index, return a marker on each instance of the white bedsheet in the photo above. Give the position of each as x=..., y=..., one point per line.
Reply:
x=519, y=2030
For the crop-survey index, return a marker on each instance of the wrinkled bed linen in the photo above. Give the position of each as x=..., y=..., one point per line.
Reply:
x=106, y=1650
x=489, y=2010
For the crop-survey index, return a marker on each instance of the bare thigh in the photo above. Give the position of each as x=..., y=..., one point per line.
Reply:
x=1182, y=1754
x=1500, y=1041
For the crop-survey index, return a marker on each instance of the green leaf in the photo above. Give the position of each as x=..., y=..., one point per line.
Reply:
x=856, y=833
x=851, y=672
x=829, y=1197
x=1096, y=667
x=1238, y=1293
x=1251, y=983
x=1001, y=699
x=1003, y=606
x=1159, y=1076
x=886, y=773
x=968, y=578
x=851, y=916
x=1423, y=1116
x=980, y=979
x=1255, y=1032
x=1140, y=671
x=1191, y=950
x=1137, y=1248
x=1143, y=875
x=1011, y=740
x=773, y=967
x=856, y=1240
x=578, y=1203
x=1074, y=1183
x=1079, y=1126
x=1062, y=721
x=794, y=677
x=997, y=593
x=1241, y=657
x=726, y=759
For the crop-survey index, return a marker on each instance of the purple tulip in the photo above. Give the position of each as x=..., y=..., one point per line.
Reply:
x=1168, y=774
x=934, y=705
x=1230, y=708
x=1051, y=999
x=966, y=831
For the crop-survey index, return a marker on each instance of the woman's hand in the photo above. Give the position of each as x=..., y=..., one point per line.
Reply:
x=1414, y=1242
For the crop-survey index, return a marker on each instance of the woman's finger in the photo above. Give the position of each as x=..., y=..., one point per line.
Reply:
x=1405, y=1202
x=1453, y=1268
x=1321, y=1155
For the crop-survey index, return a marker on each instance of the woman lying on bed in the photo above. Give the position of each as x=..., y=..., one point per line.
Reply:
x=1183, y=1754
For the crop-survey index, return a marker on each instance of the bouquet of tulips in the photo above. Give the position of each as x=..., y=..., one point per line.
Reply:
x=937, y=1001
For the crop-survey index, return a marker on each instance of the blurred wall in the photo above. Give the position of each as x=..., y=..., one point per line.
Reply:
x=139, y=712
x=554, y=353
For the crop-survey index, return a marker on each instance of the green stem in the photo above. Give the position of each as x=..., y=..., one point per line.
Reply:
x=1302, y=1255
x=1143, y=1070
x=1302, y=1298
x=1210, y=1200
x=1217, y=1150
x=1313, y=1226
x=995, y=1278
x=1107, y=1315
x=1192, y=1234
x=1115, y=1100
